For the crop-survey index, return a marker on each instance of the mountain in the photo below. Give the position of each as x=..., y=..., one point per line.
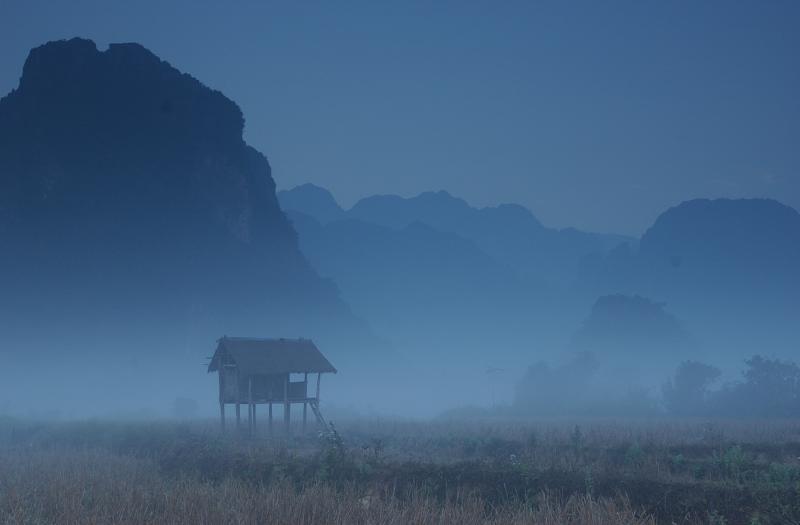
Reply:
x=423, y=269
x=634, y=339
x=135, y=220
x=313, y=201
x=509, y=233
x=622, y=353
x=438, y=209
x=729, y=266
x=430, y=292
x=726, y=268
x=630, y=327
x=741, y=239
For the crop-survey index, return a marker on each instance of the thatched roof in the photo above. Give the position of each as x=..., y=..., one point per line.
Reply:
x=270, y=356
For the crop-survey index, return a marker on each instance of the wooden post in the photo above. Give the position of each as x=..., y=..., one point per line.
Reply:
x=250, y=405
x=305, y=403
x=319, y=376
x=270, y=418
x=238, y=416
x=221, y=399
x=254, y=416
x=286, y=414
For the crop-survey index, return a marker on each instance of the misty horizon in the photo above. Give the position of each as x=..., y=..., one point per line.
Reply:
x=452, y=264
x=379, y=285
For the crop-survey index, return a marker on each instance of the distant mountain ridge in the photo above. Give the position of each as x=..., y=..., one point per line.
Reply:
x=726, y=246
x=440, y=209
x=510, y=233
x=416, y=285
x=743, y=231
x=730, y=269
x=313, y=201
x=434, y=272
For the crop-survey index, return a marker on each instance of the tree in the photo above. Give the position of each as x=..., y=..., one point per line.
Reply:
x=771, y=388
x=687, y=394
x=546, y=390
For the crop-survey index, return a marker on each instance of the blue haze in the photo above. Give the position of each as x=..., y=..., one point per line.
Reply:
x=593, y=115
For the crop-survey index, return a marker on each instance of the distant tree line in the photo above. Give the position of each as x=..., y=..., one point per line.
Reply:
x=768, y=388
x=577, y=388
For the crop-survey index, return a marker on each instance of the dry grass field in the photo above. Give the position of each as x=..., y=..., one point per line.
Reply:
x=385, y=471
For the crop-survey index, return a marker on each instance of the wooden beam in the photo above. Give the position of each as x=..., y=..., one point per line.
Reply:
x=270, y=418
x=305, y=410
x=221, y=400
x=286, y=414
x=250, y=404
x=319, y=376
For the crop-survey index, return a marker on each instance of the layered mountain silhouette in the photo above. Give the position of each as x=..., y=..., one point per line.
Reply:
x=730, y=267
x=726, y=268
x=313, y=201
x=136, y=222
x=128, y=199
x=724, y=244
x=428, y=291
x=453, y=274
x=509, y=233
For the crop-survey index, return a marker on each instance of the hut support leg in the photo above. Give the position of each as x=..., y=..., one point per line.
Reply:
x=238, y=417
x=222, y=415
x=286, y=414
x=250, y=414
x=305, y=415
x=254, y=416
x=270, y=418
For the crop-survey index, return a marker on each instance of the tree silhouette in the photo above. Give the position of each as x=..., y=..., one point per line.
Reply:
x=687, y=393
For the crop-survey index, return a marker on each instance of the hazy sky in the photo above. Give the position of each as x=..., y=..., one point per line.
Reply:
x=598, y=114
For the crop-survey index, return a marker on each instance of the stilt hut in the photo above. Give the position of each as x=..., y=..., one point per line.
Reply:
x=256, y=372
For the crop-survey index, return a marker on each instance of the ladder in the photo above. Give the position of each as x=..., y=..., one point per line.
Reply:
x=315, y=408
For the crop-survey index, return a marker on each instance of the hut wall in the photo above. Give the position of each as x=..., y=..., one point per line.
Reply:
x=229, y=384
x=268, y=387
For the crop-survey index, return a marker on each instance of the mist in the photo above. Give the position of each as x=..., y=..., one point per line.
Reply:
x=139, y=228
x=436, y=264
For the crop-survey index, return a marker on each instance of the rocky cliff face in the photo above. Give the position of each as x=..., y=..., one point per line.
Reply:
x=126, y=186
x=120, y=132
